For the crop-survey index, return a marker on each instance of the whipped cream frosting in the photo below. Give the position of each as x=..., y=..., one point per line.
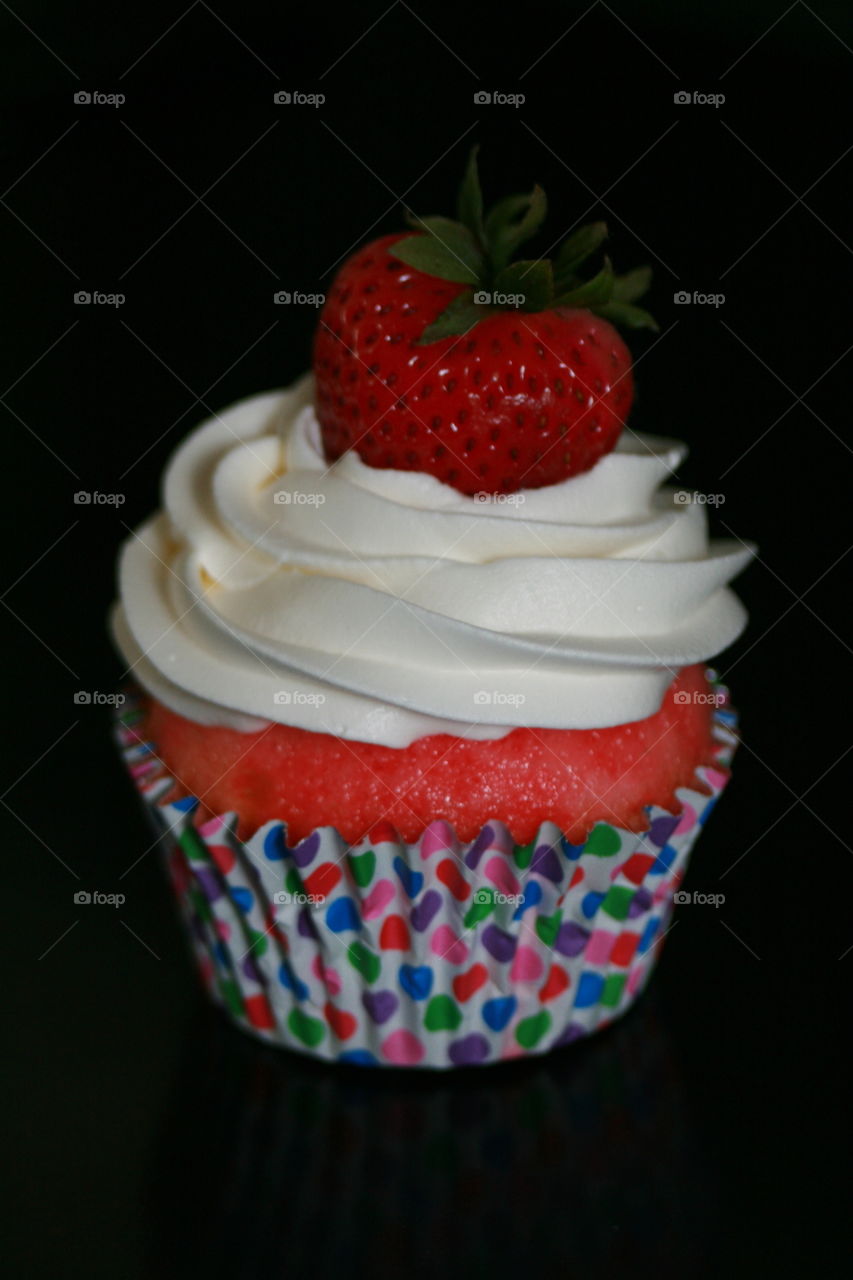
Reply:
x=384, y=605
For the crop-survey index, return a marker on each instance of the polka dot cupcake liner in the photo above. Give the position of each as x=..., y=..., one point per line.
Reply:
x=437, y=954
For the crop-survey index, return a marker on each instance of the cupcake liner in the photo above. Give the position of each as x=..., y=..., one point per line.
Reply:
x=439, y=953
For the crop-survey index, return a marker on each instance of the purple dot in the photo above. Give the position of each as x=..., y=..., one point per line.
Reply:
x=380, y=1004
x=304, y=923
x=423, y=913
x=210, y=883
x=306, y=852
x=572, y=1032
x=478, y=848
x=546, y=863
x=661, y=829
x=640, y=904
x=498, y=944
x=250, y=969
x=469, y=1050
x=571, y=939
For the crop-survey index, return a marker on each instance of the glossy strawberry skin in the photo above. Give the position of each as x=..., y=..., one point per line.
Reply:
x=524, y=399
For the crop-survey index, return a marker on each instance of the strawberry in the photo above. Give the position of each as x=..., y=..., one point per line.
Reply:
x=436, y=352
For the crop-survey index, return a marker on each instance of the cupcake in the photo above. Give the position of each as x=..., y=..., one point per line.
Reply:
x=420, y=700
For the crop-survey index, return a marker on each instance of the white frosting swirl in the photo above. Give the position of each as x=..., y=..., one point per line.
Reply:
x=384, y=605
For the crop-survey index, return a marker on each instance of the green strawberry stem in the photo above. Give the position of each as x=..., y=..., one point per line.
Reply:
x=478, y=250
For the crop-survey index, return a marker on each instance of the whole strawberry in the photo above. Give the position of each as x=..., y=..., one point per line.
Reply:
x=436, y=352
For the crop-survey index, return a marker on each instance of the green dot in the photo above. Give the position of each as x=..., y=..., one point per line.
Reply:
x=547, y=927
x=364, y=961
x=307, y=1029
x=259, y=943
x=523, y=854
x=617, y=901
x=231, y=995
x=192, y=845
x=201, y=906
x=603, y=840
x=442, y=1014
x=479, y=908
x=363, y=868
x=613, y=985
x=530, y=1031
x=293, y=881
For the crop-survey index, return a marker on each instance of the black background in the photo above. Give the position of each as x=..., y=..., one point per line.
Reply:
x=148, y=1139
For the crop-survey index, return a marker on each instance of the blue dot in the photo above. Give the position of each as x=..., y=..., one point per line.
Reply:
x=590, y=988
x=416, y=980
x=243, y=899
x=360, y=1057
x=497, y=1013
x=412, y=881
x=343, y=915
x=663, y=861
x=294, y=984
x=572, y=851
x=532, y=895
x=186, y=805
x=648, y=936
x=590, y=904
x=706, y=812
x=274, y=847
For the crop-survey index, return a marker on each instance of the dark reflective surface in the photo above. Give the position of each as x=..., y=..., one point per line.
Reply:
x=270, y=1164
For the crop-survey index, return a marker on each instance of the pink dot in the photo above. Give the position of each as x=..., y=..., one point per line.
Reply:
x=527, y=966
x=223, y=929
x=599, y=946
x=438, y=836
x=501, y=876
x=688, y=820
x=403, y=1048
x=377, y=900
x=330, y=978
x=211, y=827
x=716, y=779
x=444, y=943
x=635, y=979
